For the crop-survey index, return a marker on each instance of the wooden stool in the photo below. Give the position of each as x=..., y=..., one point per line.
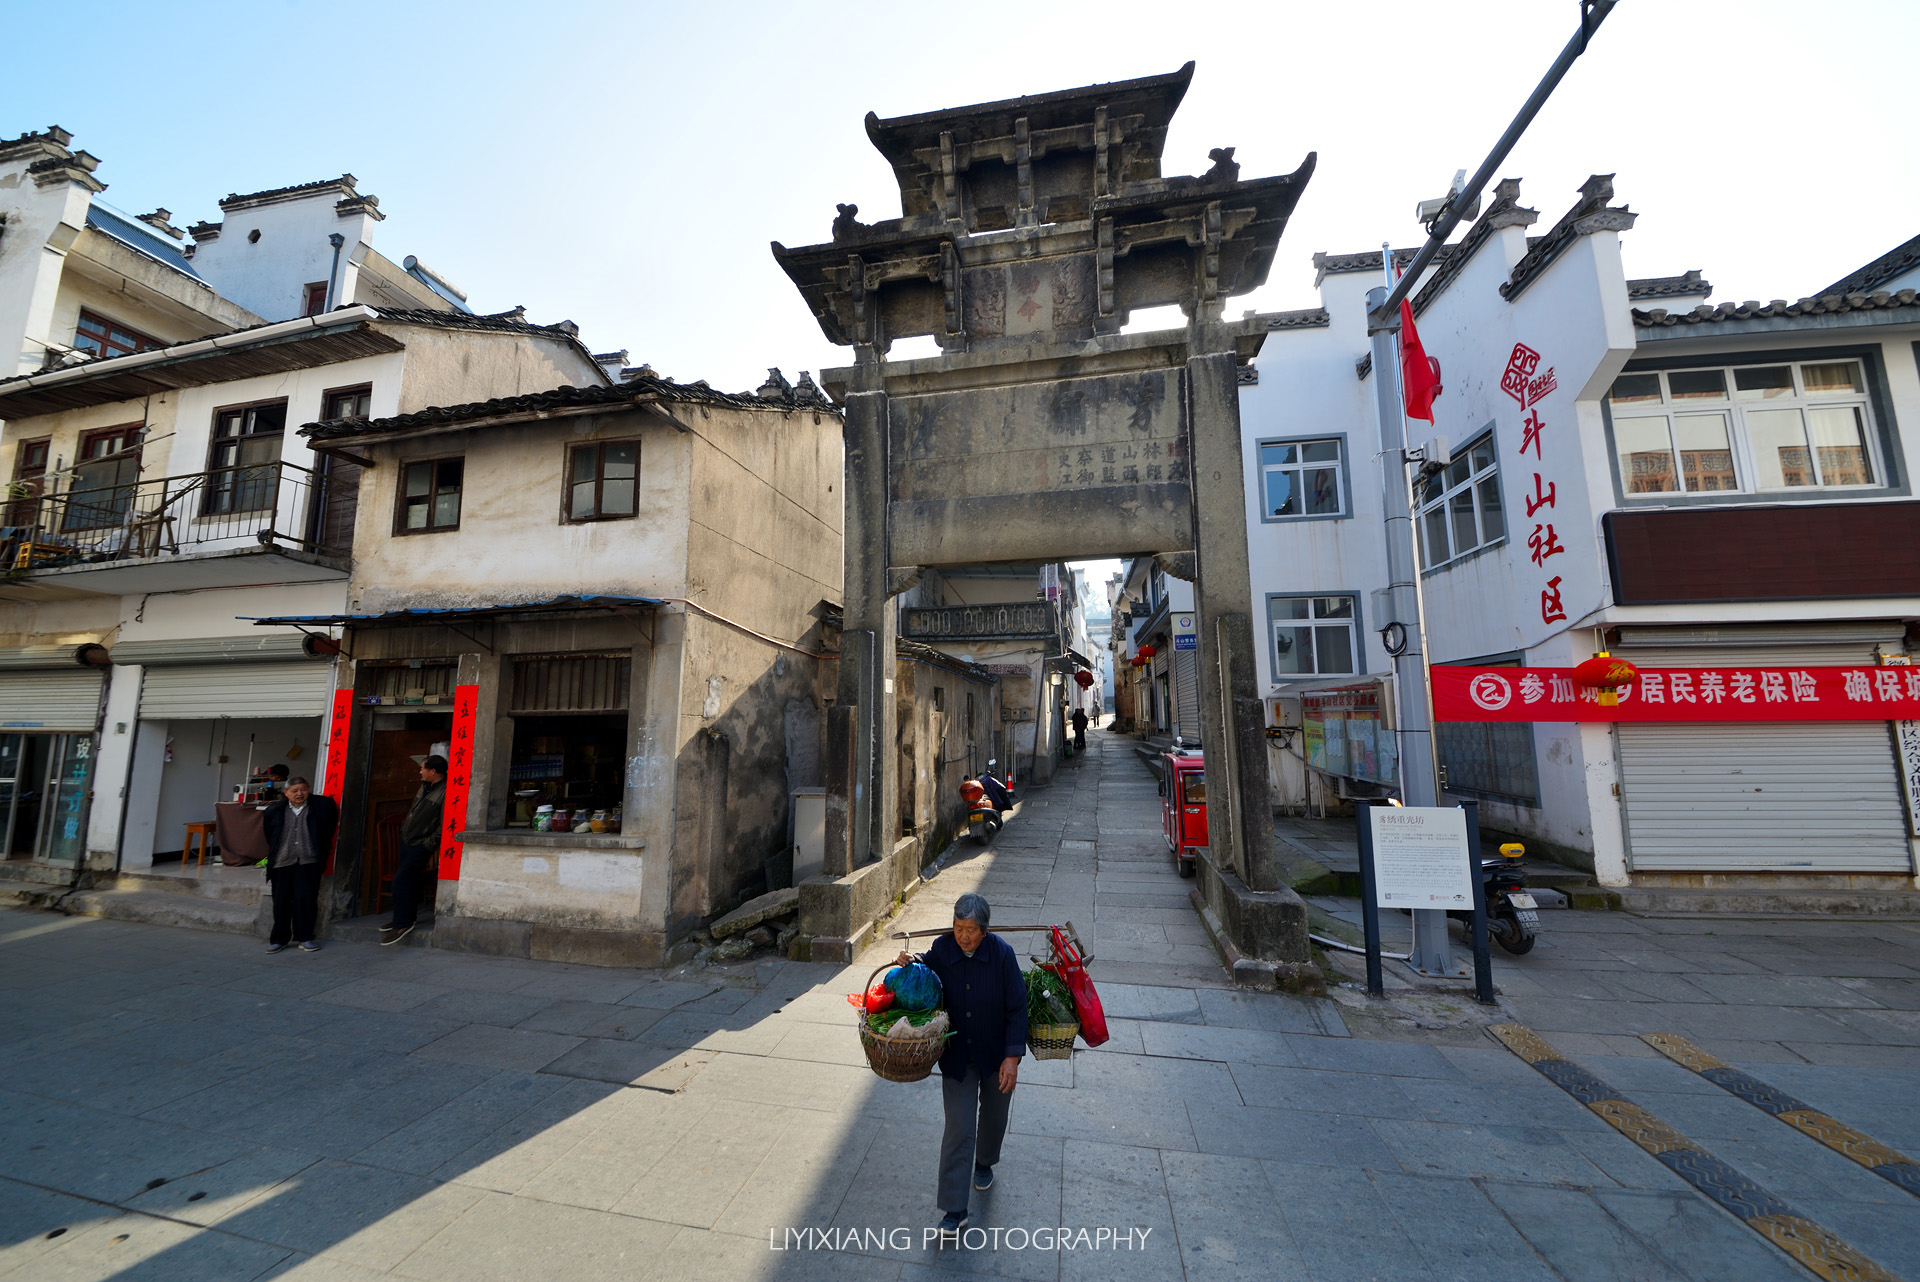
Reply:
x=205, y=833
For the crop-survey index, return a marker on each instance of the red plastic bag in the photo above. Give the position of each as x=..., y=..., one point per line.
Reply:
x=1072, y=969
x=874, y=1000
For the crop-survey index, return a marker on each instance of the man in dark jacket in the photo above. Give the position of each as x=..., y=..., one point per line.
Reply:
x=986, y=1001
x=299, y=831
x=419, y=839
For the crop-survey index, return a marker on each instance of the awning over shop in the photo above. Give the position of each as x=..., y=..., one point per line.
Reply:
x=454, y=614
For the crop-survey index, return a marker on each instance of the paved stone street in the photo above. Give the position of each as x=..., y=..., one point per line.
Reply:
x=175, y=1104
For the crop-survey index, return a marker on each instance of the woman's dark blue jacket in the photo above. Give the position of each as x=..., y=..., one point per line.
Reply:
x=986, y=1001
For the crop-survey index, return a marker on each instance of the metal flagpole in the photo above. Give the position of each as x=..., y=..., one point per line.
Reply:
x=1413, y=715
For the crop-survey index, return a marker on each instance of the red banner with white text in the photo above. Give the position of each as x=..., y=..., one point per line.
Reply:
x=466, y=700
x=333, y=771
x=1865, y=693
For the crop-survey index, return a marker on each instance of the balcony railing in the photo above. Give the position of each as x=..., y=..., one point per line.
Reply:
x=226, y=509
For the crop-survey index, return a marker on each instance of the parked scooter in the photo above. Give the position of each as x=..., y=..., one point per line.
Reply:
x=1513, y=918
x=987, y=799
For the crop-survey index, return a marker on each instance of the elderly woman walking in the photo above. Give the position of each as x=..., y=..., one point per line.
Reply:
x=986, y=1000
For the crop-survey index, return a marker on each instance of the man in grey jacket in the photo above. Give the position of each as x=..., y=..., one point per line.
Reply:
x=419, y=839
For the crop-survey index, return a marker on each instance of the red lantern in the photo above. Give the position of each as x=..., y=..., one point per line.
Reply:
x=1606, y=674
x=1083, y=678
x=1147, y=652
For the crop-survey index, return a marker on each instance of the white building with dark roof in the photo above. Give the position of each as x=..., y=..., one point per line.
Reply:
x=1684, y=484
x=150, y=384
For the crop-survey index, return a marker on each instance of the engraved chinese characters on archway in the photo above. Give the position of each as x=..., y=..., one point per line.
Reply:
x=1101, y=432
x=1527, y=384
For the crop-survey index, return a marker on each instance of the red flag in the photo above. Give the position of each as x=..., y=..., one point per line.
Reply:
x=1419, y=372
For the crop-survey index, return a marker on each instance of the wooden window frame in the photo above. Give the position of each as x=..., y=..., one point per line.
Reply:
x=20, y=458
x=353, y=389
x=400, y=495
x=599, y=482
x=307, y=291
x=108, y=348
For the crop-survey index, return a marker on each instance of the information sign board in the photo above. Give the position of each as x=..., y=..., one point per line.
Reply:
x=1421, y=857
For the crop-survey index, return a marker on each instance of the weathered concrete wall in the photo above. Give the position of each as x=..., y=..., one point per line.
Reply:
x=512, y=544
x=461, y=366
x=763, y=550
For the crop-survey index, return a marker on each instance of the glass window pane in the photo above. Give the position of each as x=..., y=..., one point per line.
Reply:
x=1493, y=521
x=1706, y=463
x=619, y=460
x=583, y=463
x=616, y=498
x=1646, y=455
x=1293, y=650
x=446, y=509
x=1277, y=454
x=450, y=470
x=1841, y=445
x=1481, y=456
x=419, y=478
x=1697, y=384
x=1434, y=527
x=1287, y=607
x=416, y=514
x=1323, y=491
x=1840, y=378
x=1457, y=473
x=1764, y=384
x=1320, y=452
x=1629, y=389
x=1335, y=647
x=93, y=325
x=1464, y=534
x=1281, y=500
x=1333, y=607
x=1780, y=458
x=582, y=504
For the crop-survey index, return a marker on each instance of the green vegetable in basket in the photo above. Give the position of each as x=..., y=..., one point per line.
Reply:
x=885, y=1020
x=1048, y=1001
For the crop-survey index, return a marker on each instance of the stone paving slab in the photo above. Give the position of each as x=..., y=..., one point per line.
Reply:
x=355, y=1114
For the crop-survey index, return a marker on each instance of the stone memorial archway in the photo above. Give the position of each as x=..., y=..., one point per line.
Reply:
x=1030, y=229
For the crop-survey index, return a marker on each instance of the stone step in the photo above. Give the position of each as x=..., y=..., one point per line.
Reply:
x=242, y=886
x=1756, y=902
x=161, y=908
x=366, y=930
x=15, y=873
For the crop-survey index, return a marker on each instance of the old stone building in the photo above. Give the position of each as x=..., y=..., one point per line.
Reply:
x=608, y=603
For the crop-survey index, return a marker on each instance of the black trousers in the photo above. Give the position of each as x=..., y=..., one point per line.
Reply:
x=296, y=902
x=976, y=1125
x=409, y=877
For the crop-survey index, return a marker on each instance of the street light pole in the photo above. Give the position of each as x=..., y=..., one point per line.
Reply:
x=1406, y=619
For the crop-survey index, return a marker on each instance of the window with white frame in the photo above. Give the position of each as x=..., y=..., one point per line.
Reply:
x=1458, y=508
x=1744, y=429
x=1313, y=635
x=1302, y=478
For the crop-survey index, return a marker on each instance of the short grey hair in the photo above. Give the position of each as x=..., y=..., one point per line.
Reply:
x=973, y=908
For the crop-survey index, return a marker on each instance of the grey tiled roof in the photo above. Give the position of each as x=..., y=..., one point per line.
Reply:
x=644, y=387
x=346, y=181
x=1305, y=318
x=1669, y=286
x=1824, y=305
x=1589, y=214
x=1895, y=262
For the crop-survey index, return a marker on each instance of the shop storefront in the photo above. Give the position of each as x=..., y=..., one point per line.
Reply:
x=1739, y=751
x=50, y=699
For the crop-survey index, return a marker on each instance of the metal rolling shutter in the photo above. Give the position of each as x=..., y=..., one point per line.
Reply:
x=1186, y=695
x=199, y=692
x=50, y=700
x=1820, y=797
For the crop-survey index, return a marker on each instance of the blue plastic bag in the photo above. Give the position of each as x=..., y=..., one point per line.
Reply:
x=914, y=987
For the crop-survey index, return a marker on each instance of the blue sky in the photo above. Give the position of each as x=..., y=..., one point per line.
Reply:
x=625, y=166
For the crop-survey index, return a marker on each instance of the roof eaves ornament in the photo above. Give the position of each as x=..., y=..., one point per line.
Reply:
x=1589, y=215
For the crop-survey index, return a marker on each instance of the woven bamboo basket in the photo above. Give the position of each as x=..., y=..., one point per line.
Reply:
x=908, y=1059
x=1052, y=1041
